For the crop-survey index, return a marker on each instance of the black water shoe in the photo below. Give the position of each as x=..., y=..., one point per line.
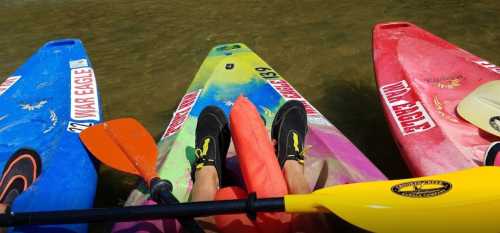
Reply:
x=289, y=130
x=212, y=140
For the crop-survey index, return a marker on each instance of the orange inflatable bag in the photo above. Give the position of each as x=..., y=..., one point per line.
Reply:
x=260, y=171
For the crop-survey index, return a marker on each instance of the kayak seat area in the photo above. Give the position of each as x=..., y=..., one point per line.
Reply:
x=233, y=222
x=260, y=171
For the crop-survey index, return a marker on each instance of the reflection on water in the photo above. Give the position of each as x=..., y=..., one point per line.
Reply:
x=145, y=54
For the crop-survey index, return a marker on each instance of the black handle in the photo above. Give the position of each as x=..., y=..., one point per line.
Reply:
x=161, y=191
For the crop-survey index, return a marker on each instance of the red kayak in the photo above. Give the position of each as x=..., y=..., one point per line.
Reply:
x=421, y=79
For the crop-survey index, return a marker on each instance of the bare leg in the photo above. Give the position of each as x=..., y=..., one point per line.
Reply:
x=211, y=143
x=205, y=186
x=294, y=175
x=297, y=184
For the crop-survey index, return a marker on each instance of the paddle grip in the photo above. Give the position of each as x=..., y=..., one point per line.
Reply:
x=161, y=192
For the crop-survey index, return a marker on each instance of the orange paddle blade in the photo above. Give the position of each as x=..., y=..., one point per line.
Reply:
x=123, y=144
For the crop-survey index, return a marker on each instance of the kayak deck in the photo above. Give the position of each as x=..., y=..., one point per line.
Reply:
x=45, y=104
x=232, y=70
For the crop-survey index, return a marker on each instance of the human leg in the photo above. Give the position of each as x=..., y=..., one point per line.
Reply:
x=294, y=175
x=288, y=132
x=206, y=184
x=211, y=142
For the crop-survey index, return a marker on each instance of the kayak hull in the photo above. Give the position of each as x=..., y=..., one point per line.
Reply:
x=53, y=98
x=421, y=79
x=229, y=71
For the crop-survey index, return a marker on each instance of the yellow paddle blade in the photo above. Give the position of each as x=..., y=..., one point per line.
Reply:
x=123, y=144
x=482, y=107
x=464, y=201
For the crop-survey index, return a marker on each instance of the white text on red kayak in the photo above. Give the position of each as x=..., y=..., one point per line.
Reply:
x=489, y=66
x=410, y=116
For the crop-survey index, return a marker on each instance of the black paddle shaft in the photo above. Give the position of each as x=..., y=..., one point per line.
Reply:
x=138, y=213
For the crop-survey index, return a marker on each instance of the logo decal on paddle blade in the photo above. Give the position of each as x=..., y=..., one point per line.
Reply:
x=422, y=188
x=19, y=173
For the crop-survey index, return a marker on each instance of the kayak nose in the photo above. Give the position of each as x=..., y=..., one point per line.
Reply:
x=62, y=43
x=393, y=25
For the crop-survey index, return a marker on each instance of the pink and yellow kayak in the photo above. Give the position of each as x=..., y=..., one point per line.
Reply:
x=231, y=70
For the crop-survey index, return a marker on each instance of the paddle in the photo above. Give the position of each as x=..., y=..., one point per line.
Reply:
x=463, y=201
x=125, y=145
x=482, y=107
x=370, y=205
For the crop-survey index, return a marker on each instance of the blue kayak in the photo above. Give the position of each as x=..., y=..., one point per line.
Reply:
x=45, y=104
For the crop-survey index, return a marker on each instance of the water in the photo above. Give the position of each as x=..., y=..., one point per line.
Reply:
x=145, y=54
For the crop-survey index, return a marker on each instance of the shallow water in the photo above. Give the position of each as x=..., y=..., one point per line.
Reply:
x=145, y=54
